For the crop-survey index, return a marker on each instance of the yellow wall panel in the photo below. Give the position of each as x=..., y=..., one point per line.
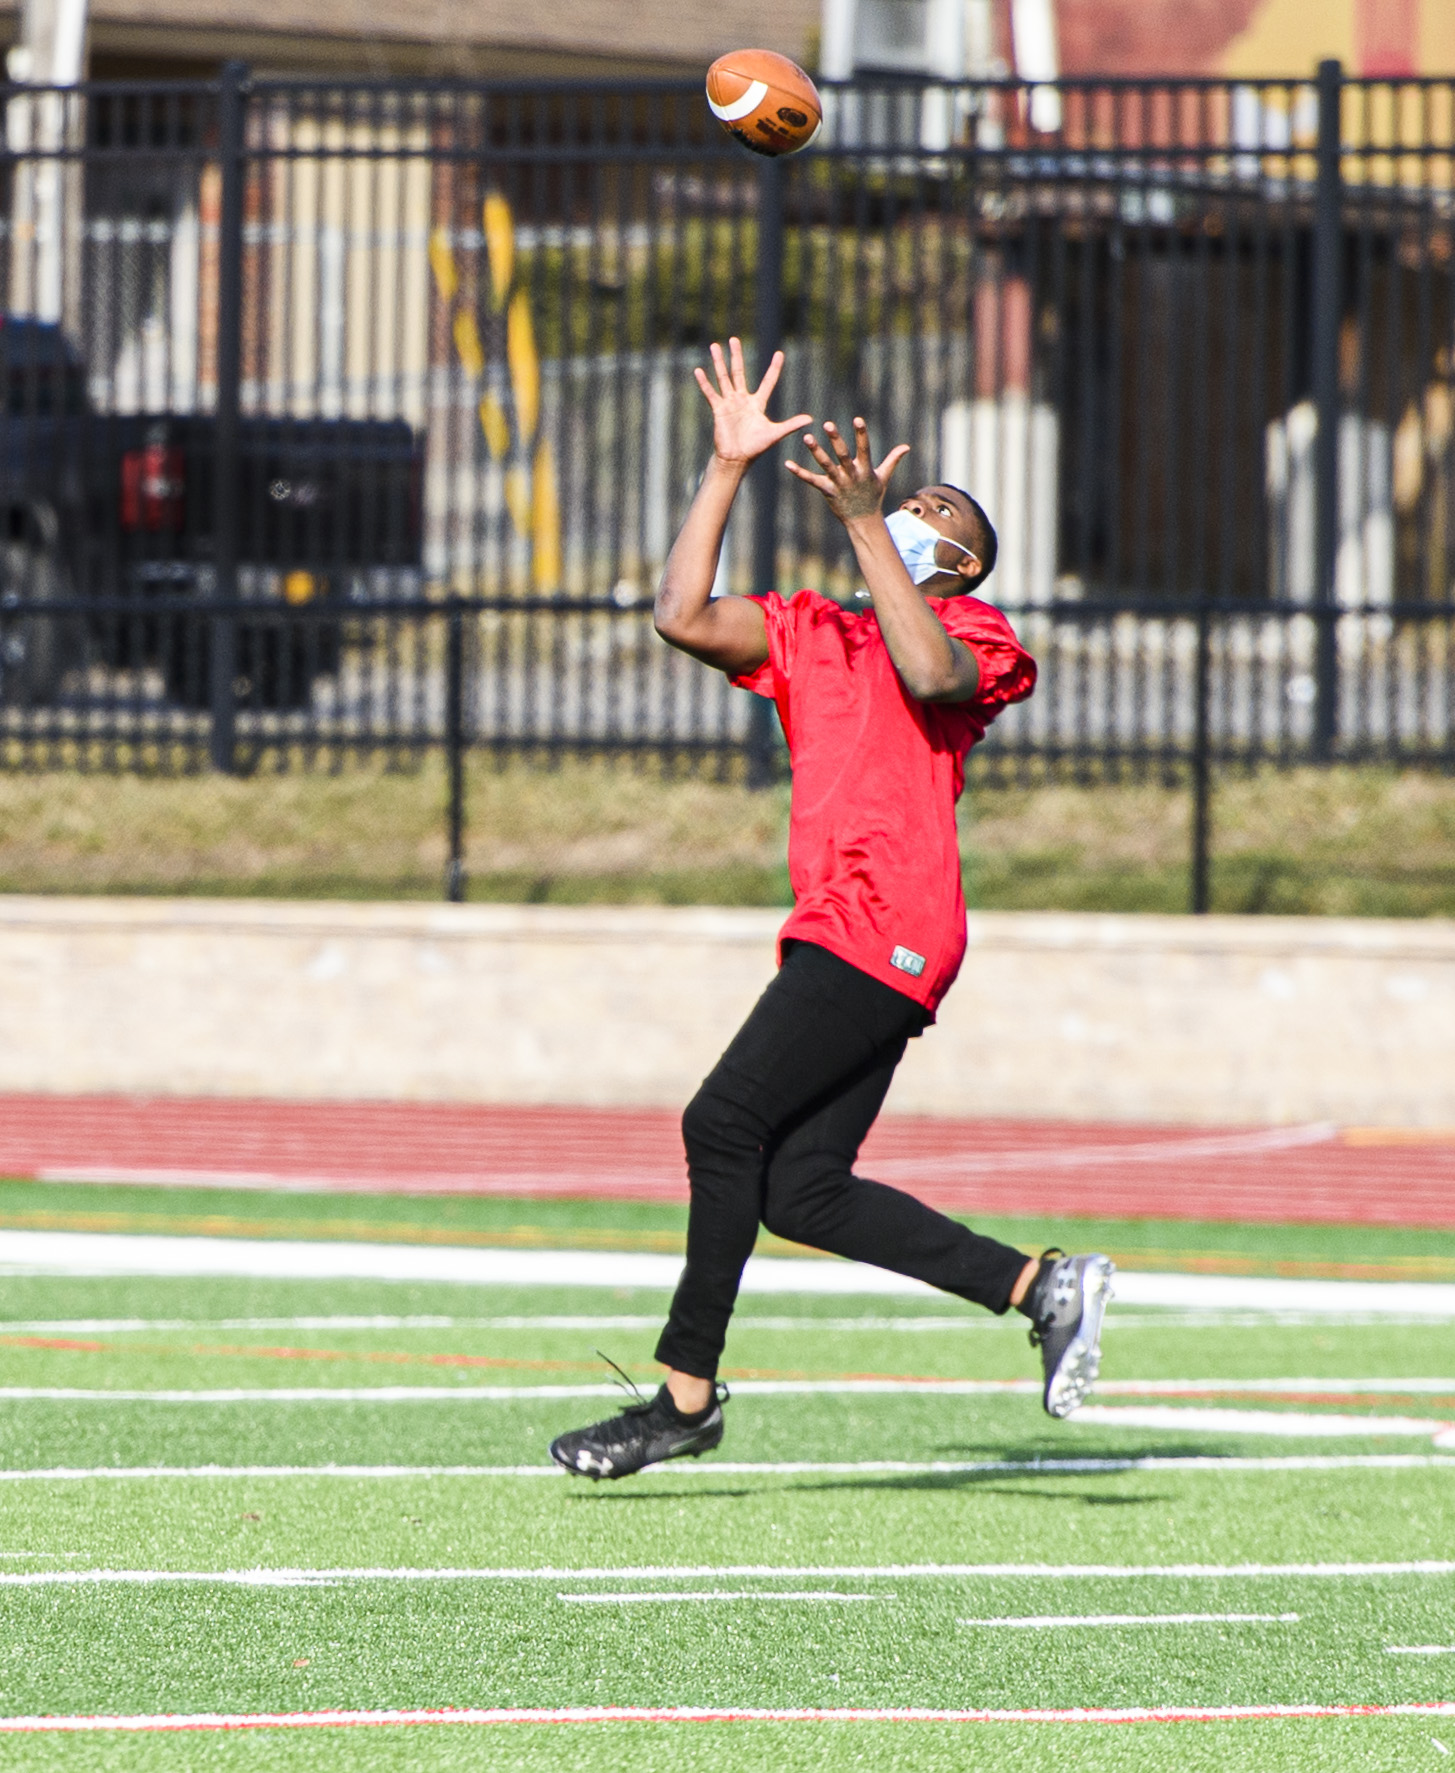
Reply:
x=1292, y=36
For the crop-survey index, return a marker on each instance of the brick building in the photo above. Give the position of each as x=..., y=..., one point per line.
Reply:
x=665, y=37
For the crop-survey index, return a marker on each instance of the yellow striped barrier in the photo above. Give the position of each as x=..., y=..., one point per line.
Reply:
x=512, y=435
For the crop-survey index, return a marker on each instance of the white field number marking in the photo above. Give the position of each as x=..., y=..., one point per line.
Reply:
x=1053, y=1621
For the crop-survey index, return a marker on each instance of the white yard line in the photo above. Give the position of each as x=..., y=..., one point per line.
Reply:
x=969, y=1320
x=314, y=1578
x=1203, y=1387
x=684, y=1596
x=634, y=1714
x=95, y=1253
x=1049, y=1467
x=1420, y=1650
x=1179, y=1418
x=1054, y=1621
x=1287, y=1424
x=310, y=1394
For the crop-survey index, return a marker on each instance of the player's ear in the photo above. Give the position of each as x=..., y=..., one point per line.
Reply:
x=968, y=566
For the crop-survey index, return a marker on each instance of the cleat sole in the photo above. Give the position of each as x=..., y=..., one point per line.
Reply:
x=1078, y=1368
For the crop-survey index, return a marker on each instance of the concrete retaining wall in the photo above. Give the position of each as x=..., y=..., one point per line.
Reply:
x=1216, y=1020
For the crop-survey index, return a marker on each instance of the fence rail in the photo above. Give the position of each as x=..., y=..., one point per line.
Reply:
x=344, y=417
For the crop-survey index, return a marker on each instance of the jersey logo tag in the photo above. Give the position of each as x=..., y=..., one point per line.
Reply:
x=907, y=961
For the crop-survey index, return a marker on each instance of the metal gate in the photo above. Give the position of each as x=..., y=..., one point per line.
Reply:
x=357, y=417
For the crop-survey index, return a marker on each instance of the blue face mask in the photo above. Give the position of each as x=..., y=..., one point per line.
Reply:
x=915, y=541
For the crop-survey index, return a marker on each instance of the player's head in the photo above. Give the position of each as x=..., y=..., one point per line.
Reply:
x=970, y=557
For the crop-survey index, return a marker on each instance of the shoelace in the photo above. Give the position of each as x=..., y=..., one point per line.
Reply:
x=1041, y=1326
x=628, y=1385
x=720, y=1391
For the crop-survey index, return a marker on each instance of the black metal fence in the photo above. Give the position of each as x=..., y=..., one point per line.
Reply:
x=352, y=418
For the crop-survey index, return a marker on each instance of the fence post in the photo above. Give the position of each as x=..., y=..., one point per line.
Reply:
x=455, y=749
x=1328, y=303
x=766, y=471
x=223, y=626
x=1199, y=885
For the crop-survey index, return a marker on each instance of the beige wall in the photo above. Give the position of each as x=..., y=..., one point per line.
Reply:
x=1102, y=1018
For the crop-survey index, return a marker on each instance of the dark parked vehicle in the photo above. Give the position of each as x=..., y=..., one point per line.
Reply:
x=120, y=509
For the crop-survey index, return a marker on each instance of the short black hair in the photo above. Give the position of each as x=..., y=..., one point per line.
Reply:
x=983, y=541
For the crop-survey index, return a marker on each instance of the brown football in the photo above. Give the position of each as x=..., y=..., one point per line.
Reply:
x=764, y=101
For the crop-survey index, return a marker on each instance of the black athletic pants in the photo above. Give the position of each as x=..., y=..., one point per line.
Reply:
x=772, y=1136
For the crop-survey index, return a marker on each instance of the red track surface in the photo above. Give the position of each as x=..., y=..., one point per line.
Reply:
x=1299, y=1174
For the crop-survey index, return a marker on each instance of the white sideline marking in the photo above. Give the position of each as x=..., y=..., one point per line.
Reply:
x=1049, y=1467
x=718, y=1594
x=103, y=1253
x=1420, y=1650
x=682, y=1714
x=1050, y=1621
x=106, y=1253
x=296, y=1578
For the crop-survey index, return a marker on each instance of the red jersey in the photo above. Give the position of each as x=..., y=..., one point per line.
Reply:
x=873, y=852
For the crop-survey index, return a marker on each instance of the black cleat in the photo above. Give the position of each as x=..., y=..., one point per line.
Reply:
x=645, y=1433
x=1067, y=1301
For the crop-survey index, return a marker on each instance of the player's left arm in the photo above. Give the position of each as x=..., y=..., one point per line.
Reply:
x=932, y=664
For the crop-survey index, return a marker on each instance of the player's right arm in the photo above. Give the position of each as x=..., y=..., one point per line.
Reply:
x=727, y=632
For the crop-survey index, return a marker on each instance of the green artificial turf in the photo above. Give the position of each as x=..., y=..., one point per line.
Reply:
x=385, y=1642
x=1322, y=1746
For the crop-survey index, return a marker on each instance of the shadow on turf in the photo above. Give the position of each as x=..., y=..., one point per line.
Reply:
x=1050, y=1485
x=701, y=1493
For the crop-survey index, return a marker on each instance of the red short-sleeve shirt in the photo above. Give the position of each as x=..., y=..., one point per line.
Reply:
x=873, y=853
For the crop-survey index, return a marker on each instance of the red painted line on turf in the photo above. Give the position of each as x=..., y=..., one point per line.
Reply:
x=369, y=1356
x=1208, y=1392
x=1296, y=1175
x=630, y=1714
x=71, y=1343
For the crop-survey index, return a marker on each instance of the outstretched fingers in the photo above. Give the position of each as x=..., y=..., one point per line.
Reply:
x=720, y=368
x=840, y=448
x=770, y=380
x=820, y=454
x=786, y=427
x=740, y=374
x=890, y=462
x=821, y=481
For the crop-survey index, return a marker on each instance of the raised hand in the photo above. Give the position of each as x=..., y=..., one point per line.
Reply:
x=741, y=428
x=853, y=486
